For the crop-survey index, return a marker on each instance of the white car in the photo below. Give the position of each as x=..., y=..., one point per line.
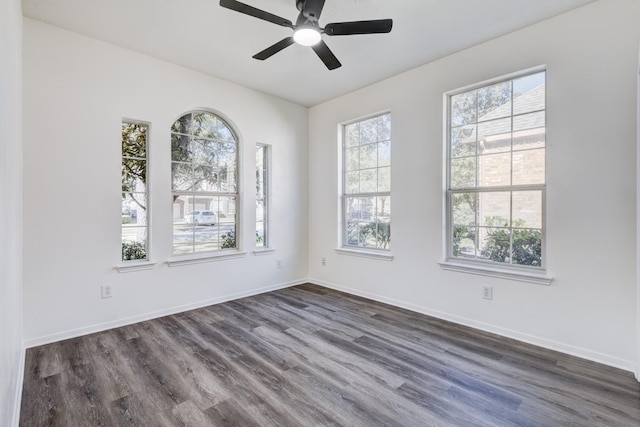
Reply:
x=201, y=218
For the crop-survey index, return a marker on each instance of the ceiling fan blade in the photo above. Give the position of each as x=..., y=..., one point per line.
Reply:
x=312, y=9
x=272, y=50
x=358, y=27
x=329, y=59
x=256, y=13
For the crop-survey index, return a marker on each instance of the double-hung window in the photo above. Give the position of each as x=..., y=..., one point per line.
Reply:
x=366, y=193
x=262, y=195
x=204, y=170
x=135, y=194
x=496, y=173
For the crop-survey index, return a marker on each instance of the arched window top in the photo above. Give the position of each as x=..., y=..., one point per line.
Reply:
x=206, y=125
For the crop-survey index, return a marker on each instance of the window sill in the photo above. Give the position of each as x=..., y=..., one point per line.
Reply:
x=385, y=256
x=264, y=251
x=188, y=260
x=523, y=276
x=135, y=266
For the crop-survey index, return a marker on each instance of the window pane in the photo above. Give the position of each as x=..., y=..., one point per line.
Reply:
x=352, y=158
x=226, y=209
x=134, y=243
x=368, y=156
x=205, y=178
x=384, y=179
x=464, y=241
x=529, y=121
x=494, y=209
x=527, y=209
x=528, y=167
x=181, y=176
x=529, y=93
x=260, y=234
x=205, y=125
x=464, y=208
x=134, y=140
x=384, y=153
x=134, y=209
x=134, y=172
x=368, y=181
x=527, y=247
x=463, y=108
x=384, y=127
x=383, y=208
x=494, y=136
x=228, y=167
x=495, y=244
x=369, y=131
x=494, y=101
x=352, y=133
x=463, y=141
x=352, y=182
x=494, y=170
x=225, y=134
x=183, y=227
x=180, y=148
x=463, y=172
x=353, y=234
x=183, y=125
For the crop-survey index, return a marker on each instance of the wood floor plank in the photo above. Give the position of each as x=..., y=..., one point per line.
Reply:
x=307, y=356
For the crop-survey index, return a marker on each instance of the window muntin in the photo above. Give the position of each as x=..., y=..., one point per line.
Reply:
x=366, y=193
x=262, y=195
x=204, y=170
x=496, y=173
x=135, y=195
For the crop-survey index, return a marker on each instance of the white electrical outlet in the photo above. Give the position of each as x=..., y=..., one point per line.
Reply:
x=487, y=292
x=279, y=263
x=324, y=262
x=106, y=291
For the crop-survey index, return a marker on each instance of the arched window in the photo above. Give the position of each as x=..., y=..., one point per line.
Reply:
x=204, y=183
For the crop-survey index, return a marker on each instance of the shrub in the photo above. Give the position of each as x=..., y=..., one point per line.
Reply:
x=228, y=240
x=134, y=250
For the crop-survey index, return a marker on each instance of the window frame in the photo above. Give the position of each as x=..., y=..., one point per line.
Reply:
x=266, y=196
x=134, y=264
x=509, y=270
x=345, y=248
x=220, y=253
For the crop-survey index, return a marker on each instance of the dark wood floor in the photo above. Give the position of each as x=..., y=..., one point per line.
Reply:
x=308, y=356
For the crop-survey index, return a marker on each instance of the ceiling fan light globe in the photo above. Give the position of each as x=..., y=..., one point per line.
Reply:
x=306, y=36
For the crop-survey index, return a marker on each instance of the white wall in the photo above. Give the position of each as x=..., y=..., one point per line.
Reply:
x=10, y=211
x=590, y=308
x=76, y=92
x=638, y=221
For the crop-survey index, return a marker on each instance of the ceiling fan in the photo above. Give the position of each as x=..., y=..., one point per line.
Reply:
x=307, y=30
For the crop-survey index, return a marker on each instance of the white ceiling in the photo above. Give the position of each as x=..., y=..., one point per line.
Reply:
x=201, y=35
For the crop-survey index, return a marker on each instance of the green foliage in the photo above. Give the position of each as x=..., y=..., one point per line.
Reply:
x=134, y=251
x=134, y=152
x=360, y=233
x=228, y=240
x=259, y=239
x=461, y=233
x=126, y=219
x=521, y=246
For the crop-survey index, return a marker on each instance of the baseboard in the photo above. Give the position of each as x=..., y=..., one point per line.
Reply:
x=74, y=333
x=19, y=384
x=583, y=353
